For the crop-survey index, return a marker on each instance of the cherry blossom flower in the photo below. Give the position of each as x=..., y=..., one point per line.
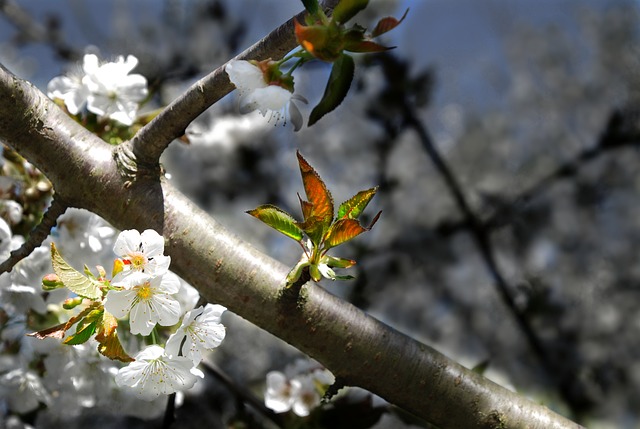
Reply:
x=153, y=373
x=201, y=331
x=256, y=93
x=278, y=395
x=23, y=390
x=113, y=92
x=141, y=253
x=70, y=88
x=105, y=89
x=147, y=300
x=300, y=392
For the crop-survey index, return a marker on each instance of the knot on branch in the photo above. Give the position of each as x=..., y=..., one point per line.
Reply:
x=130, y=168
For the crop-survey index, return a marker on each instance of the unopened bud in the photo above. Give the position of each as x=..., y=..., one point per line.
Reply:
x=70, y=303
x=51, y=282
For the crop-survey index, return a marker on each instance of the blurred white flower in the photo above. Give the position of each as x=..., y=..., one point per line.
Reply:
x=147, y=300
x=187, y=296
x=256, y=93
x=23, y=390
x=20, y=291
x=106, y=89
x=11, y=210
x=141, y=253
x=153, y=373
x=278, y=395
x=201, y=331
x=8, y=241
x=113, y=92
x=70, y=88
x=300, y=392
x=84, y=237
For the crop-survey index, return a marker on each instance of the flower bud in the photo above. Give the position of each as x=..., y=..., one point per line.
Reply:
x=51, y=282
x=71, y=303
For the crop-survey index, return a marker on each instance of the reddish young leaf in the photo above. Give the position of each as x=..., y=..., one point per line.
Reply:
x=366, y=46
x=109, y=342
x=343, y=230
x=58, y=331
x=387, y=24
x=317, y=193
x=278, y=219
x=355, y=205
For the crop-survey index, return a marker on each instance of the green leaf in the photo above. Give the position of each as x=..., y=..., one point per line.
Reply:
x=86, y=328
x=278, y=219
x=337, y=87
x=335, y=262
x=311, y=6
x=355, y=205
x=72, y=279
x=347, y=9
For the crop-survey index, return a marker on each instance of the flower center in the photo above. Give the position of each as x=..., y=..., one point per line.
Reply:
x=138, y=261
x=144, y=292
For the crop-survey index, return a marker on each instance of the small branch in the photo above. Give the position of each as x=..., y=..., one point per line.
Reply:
x=243, y=394
x=37, y=236
x=35, y=31
x=152, y=139
x=169, y=412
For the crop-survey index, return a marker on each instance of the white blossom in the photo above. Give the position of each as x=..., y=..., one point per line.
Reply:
x=141, y=253
x=113, y=92
x=257, y=94
x=106, y=89
x=147, y=300
x=23, y=390
x=84, y=237
x=300, y=390
x=70, y=88
x=153, y=373
x=201, y=331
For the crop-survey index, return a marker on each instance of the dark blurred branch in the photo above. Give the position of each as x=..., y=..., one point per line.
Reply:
x=32, y=30
x=37, y=236
x=622, y=130
x=244, y=395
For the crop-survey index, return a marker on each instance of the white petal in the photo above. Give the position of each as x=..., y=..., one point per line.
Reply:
x=119, y=302
x=142, y=318
x=244, y=75
x=166, y=309
x=152, y=243
x=128, y=241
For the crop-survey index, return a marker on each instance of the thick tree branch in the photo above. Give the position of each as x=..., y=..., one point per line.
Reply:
x=354, y=346
x=152, y=139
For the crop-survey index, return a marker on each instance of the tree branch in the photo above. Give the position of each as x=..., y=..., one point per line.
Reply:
x=354, y=346
x=37, y=236
x=152, y=139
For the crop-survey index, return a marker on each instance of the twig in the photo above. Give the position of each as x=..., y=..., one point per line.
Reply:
x=152, y=139
x=37, y=236
x=35, y=31
x=243, y=394
x=169, y=412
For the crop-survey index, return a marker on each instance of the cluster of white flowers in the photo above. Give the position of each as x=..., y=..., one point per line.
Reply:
x=299, y=389
x=256, y=93
x=145, y=292
x=105, y=89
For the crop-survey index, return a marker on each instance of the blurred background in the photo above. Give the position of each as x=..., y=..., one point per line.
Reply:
x=503, y=136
